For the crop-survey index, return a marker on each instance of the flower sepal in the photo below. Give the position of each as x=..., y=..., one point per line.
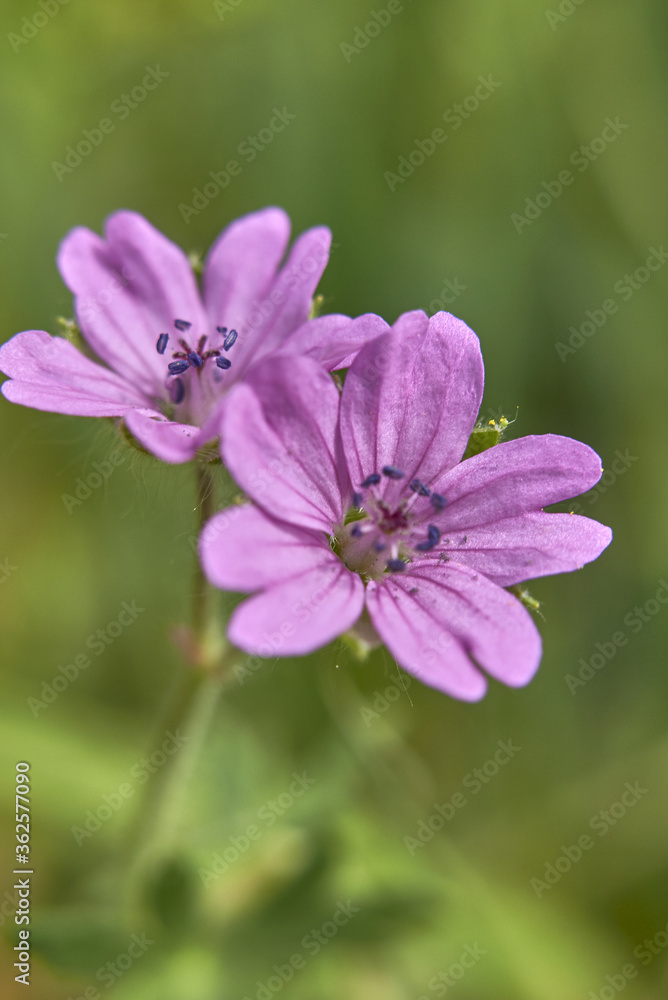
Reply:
x=484, y=436
x=361, y=639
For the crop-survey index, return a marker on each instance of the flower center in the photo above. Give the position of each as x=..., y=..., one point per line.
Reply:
x=192, y=357
x=378, y=537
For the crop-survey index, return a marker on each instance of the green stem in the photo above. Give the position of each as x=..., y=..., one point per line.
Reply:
x=186, y=722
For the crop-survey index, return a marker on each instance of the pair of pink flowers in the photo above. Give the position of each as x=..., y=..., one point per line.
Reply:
x=361, y=511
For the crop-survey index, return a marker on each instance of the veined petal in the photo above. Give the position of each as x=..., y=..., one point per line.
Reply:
x=241, y=266
x=243, y=549
x=299, y=615
x=129, y=288
x=166, y=439
x=287, y=303
x=411, y=398
x=521, y=548
x=432, y=617
x=516, y=477
x=279, y=441
x=49, y=373
x=334, y=341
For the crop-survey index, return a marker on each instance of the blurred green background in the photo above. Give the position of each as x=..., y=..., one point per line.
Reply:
x=559, y=72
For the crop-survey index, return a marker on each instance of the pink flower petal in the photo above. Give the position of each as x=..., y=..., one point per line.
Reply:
x=128, y=290
x=531, y=545
x=287, y=304
x=431, y=617
x=242, y=549
x=515, y=477
x=299, y=615
x=279, y=440
x=167, y=440
x=49, y=373
x=334, y=341
x=410, y=400
x=241, y=266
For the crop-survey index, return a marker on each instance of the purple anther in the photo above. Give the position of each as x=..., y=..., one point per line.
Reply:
x=438, y=501
x=195, y=360
x=161, y=346
x=417, y=486
x=182, y=324
x=178, y=367
x=392, y=472
x=356, y=531
x=371, y=480
x=223, y=363
x=433, y=538
x=358, y=499
x=230, y=340
x=396, y=565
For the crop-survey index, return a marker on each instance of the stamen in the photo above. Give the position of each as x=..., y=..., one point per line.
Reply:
x=371, y=480
x=358, y=499
x=417, y=486
x=438, y=501
x=178, y=367
x=222, y=330
x=162, y=343
x=201, y=343
x=396, y=565
x=433, y=538
x=177, y=391
x=223, y=363
x=230, y=340
x=392, y=472
x=195, y=360
x=182, y=324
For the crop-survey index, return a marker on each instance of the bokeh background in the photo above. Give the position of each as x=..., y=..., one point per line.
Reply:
x=383, y=752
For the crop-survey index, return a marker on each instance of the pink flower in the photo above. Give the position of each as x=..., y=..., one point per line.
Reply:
x=169, y=355
x=362, y=505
